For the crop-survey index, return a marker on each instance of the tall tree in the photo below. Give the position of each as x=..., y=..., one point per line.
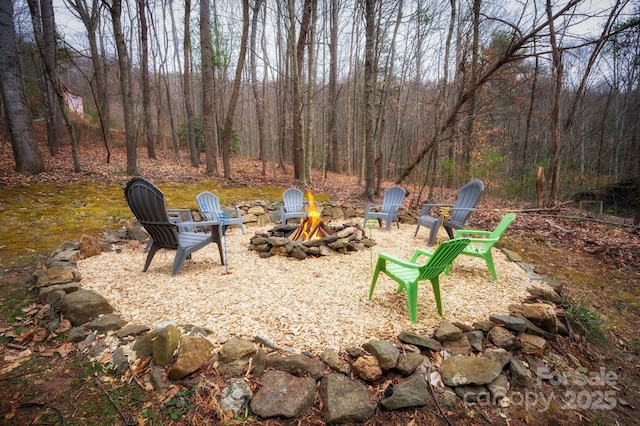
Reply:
x=44, y=31
x=332, y=103
x=124, y=66
x=209, y=127
x=144, y=77
x=368, y=100
x=25, y=148
x=90, y=17
x=258, y=95
x=554, y=116
x=186, y=87
x=297, y=56
x=228, y=122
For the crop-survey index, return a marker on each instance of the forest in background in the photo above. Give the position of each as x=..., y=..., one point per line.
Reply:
x=540, y=100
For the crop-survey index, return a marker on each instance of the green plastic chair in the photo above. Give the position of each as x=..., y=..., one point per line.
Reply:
x=408, y=273
x=481, y=246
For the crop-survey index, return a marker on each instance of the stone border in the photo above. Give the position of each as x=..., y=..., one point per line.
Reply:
x=489, y=360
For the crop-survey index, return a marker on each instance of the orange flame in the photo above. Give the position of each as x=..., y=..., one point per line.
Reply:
x=310, y=231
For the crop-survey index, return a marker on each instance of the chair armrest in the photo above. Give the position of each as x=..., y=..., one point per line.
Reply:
x=370, y=206
x=176, y=215
x=391, y=258
x=192, y=224
x=418, y=253
x=464, y=209
x=426, y=207
x=460, y=232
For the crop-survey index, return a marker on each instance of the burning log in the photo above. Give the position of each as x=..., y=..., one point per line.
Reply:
x=311, y=228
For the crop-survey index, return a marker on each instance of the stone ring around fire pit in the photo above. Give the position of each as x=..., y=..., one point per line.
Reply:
x=310, y=239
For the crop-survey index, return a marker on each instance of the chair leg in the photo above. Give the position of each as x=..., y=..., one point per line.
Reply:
x=388, y=223
x=379, y=266
x=181, y=255
x=435, y=284
x=449, y=231
x=152, y=252
x=412, y=301
x=489, y=259
x=417, y=227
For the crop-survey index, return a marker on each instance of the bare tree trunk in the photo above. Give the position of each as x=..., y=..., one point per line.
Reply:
x=470, y=136
x=125, y=87
x=368, y=99
x=209, y=128
x=228, y=122
x=44, y=30
x=43, y=18
x=311, y=71
x=297, y=56
x=554, y=125
x=144, y=74
x=257, y=96
x=90, y=17
x=186, y=88
x=26, y=154
x=332, y=127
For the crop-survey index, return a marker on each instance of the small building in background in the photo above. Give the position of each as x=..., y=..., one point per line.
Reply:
x=74, y=102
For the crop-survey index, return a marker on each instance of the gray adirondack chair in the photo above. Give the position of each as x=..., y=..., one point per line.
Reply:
x=147, y=203
x=209, y=205
x=388, y=211
x=294, y=205
x=468, y=198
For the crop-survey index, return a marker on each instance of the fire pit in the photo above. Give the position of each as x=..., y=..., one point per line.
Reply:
x=312, y=237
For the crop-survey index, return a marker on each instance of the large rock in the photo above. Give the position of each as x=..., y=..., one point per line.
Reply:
x=413, y=392
x=283, y=394
x=463, y=370
x=193, y=353
x=503, y=338
x=332, y=358
x=420, y=341
x=541, y=314
x=447, y=332
x=59, y=273
x=297, y=364
x=164, y=344
x=235, y=396
x=82, y=306
x=344, y=400
x=105, y=323
x=367, y=367
x=386, y=353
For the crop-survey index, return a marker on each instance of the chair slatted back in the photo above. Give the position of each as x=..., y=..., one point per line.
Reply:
x=392, y=199
x=468, y=197
x=442, y=257
x=147, y=203
x=209, y=205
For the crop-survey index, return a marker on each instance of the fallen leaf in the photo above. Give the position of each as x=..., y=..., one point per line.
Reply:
x=65, y=349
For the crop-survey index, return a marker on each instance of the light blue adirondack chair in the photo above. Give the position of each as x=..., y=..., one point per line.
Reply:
x=294, y=205
x=209, y=205
x=388, y=211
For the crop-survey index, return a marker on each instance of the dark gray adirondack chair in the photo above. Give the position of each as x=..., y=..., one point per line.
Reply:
x=147, y=203
x=391, y=202
x=209, y=205
x=468, y=198
x=294, y=205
